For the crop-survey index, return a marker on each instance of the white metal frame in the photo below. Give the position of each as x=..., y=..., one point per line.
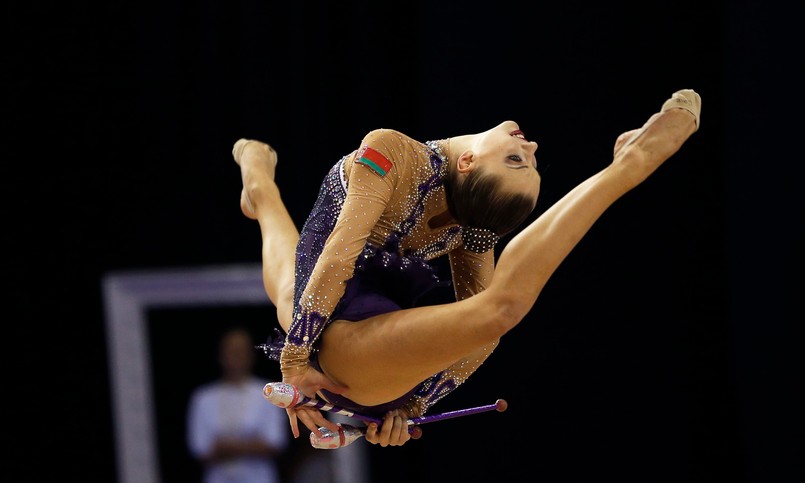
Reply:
x=127, y=299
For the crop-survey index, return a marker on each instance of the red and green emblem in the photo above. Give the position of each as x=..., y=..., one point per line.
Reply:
x=375, y=160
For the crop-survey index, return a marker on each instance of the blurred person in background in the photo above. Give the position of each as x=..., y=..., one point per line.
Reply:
x=231, y=429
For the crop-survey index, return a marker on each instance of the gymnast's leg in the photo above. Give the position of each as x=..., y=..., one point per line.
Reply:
x=260, y=200
x=381, y=358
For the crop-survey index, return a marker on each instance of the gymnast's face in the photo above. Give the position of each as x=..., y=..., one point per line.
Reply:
x=505, y=152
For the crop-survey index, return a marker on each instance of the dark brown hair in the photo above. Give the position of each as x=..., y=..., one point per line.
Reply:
x=479, y=202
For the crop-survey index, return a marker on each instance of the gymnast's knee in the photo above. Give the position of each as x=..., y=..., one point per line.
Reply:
x=284, y=304
x=503, y=311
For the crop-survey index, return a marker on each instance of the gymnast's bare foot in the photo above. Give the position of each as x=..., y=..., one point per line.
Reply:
x=257, y=161
x=686, y=99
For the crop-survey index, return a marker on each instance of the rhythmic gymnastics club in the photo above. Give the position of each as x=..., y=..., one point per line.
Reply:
x=287, y=395
x=347, y=434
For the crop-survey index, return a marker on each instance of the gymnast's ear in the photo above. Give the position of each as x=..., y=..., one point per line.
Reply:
x=466, y=162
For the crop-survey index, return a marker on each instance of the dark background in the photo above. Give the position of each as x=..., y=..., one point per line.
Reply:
x=665, y=348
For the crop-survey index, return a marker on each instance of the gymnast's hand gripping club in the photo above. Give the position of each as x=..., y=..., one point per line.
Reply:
x=287, y=395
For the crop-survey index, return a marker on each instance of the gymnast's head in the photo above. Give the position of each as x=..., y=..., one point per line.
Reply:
x=236, y=354
x=494, y=183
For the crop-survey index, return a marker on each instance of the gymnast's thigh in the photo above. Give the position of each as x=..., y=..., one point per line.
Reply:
x=361, y=355
x=384, y=356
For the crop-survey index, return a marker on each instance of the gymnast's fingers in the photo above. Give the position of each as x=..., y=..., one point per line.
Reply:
x=372, y=433
x=292, y=420
x=399, y=431
x=321, y=421
x=306, y=415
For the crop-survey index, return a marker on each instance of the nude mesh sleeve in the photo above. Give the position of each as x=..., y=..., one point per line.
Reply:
x=368, y=195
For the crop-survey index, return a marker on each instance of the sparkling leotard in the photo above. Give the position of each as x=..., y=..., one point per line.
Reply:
x=369, y=227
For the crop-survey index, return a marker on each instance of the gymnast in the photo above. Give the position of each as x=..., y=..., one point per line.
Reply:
x=347, y=286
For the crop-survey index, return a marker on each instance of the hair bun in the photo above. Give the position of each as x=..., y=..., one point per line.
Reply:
x=479, y=240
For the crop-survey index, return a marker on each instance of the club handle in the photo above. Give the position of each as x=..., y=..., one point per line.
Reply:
x=499, y=406
x=346, y=435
